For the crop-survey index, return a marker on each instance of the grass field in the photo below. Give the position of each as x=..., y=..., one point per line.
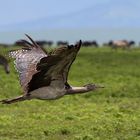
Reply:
x=112, y=113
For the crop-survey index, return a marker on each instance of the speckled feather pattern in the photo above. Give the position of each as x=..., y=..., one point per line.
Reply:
x=25, y=63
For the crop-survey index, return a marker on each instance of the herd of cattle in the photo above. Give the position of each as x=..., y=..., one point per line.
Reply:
x=113, y=44
x=124, y=44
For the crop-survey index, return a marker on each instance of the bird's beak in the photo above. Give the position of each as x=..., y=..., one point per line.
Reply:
x=99, y=86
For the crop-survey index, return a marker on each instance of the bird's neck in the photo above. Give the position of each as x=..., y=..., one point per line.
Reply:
x=76, y=90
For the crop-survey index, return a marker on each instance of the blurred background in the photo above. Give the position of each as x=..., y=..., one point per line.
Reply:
x=112, y=113
x=100, y=20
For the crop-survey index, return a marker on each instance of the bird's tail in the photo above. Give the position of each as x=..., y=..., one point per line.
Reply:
x=16, y=99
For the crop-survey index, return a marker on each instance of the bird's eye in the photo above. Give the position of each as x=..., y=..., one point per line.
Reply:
x=67, y=87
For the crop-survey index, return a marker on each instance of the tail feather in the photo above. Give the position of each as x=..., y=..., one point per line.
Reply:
x=16, y=99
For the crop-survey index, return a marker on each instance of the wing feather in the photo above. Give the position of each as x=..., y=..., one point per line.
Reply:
x=26, y=60
x=37, y=68
x=54, y=67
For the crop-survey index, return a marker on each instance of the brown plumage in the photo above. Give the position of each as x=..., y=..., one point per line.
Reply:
x=43, y=75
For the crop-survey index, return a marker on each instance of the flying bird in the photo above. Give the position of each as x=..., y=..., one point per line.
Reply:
x=44, y=75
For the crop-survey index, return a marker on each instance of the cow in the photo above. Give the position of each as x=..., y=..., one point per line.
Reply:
x=124, y=44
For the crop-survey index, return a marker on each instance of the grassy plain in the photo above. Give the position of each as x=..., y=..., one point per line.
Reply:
x=112, y=113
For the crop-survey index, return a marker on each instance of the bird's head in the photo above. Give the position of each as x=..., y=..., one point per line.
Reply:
x=93, y=86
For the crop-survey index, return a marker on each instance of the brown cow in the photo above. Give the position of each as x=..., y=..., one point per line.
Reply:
x=124, y=44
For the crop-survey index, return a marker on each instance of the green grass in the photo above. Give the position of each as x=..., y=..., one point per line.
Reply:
x=112, y=113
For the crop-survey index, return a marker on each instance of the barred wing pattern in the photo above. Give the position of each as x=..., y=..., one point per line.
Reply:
x=37, y=68
x=26, y=60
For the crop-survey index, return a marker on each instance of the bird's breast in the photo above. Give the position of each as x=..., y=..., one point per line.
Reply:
x=47, y=93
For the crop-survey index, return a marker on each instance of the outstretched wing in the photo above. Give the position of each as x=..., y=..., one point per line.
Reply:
x=54, y=67
x=26, y=60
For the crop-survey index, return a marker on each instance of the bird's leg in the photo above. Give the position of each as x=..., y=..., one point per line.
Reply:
x=85, y=88
x=16, y=99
